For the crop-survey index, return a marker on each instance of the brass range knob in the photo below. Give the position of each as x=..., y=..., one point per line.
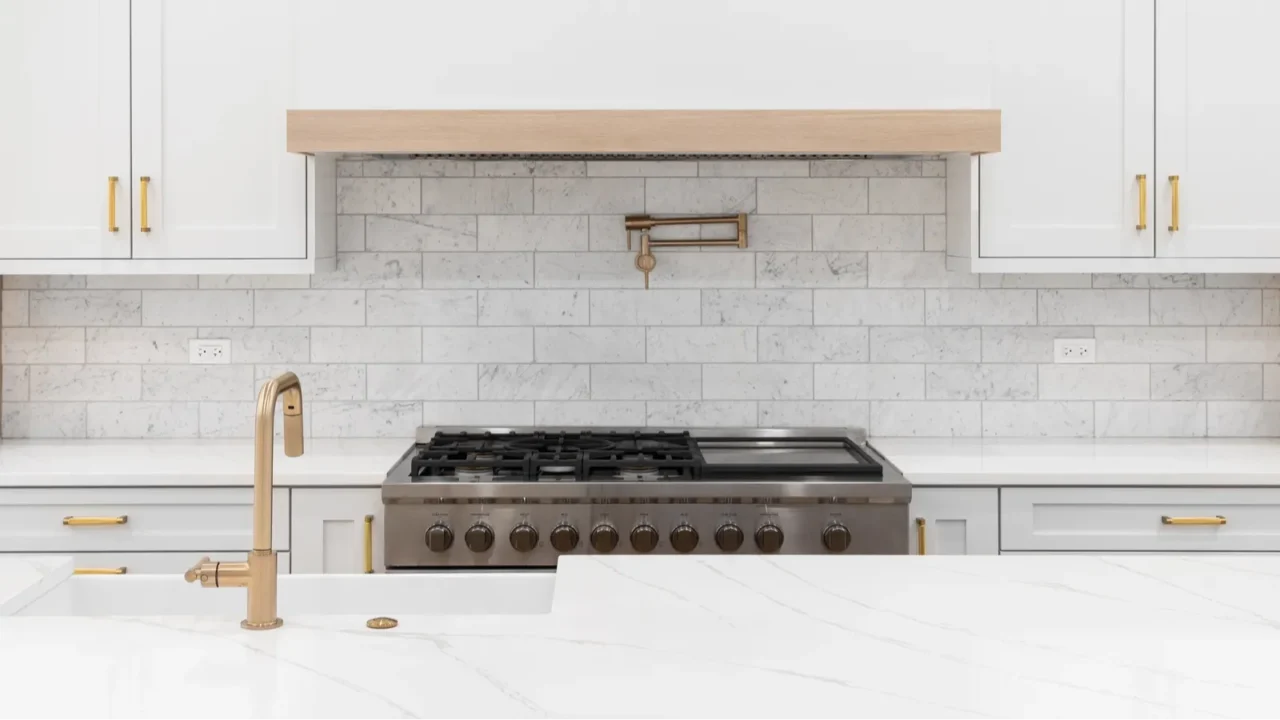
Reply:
x=644, y=538
x=684, y=538
x=524, y=538
x=439, y=538
x=729, y=537
x=769, y=538
x=564, y=538
x=604, y=538
x=479, y=538
x=837, y=538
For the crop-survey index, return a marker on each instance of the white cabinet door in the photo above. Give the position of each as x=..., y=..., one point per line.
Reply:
x=1218, y=116
x=64, y=128
x=955, y=521
x=1075, y=84
x=332, y=530
x=211, y=83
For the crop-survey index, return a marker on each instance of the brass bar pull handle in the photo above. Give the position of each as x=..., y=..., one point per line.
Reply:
x=112, y=182
x=368, y=543
x=920, y=531
x=1213, y=520
x=83, y=520
x=143, y=183
x=1142, y=202
x=100, y=571
x=1173, y=217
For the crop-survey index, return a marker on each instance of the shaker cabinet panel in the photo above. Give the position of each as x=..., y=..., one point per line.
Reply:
x=955, y=521
x=337, y=530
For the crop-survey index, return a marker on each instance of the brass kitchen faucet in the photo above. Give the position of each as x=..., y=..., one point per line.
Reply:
x=646, y=262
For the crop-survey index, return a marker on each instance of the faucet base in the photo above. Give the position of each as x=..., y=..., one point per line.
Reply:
x=261, y=626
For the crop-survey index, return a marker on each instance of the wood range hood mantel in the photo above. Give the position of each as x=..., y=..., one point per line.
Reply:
x=745, y=132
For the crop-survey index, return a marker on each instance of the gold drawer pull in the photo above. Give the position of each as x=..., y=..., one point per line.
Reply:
x=920, y=536
x=1214, y=520
x=143, y=183
x=1142, y=202
x=1173, y=217
x=112, y=182
x=90, y=520
x=368, y=543
x=100, y=571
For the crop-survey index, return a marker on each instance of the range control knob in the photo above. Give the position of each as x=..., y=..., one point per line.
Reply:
x=524, y=537
x=836, y=538
x=644, y=538
x=479, y=538
x=769, y=538
x=564, y=538
x=604, y=538
x=729, y=537
x=684, y=538
x=439, y=538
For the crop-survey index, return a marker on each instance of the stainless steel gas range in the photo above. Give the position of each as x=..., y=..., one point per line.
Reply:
x=521, y=497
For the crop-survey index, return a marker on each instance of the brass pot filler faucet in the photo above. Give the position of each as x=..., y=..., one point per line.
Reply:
x=259, y=573
x=646, y=262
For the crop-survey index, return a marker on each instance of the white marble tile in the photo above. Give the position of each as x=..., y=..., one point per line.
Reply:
x=1206, y=307
x=926, y=344
x=15, y=383
x=64, y=308
x=423, y=382
x=42, y=345
x=1244, y=419
x=907, y=418
x=1150, y=419
x=589, y=270
x=588, y=196
x=418, y=167
x=138, y=345
x=142, y=282
x=1150, y=344
x=189, y=383
x=1035, y=280
x=186, y=308
x=477, y=345
x=534, y=307
x=1148, y=280
x=814, y=413
x=14, y=308
x=980, y=307
x=254, y=282
x=1037, y=419
x=1243, y=344
x=372, y=270
x=350, y=168
x=421, y=233
x=533, y=232
x=702, y=414
x=868, y=232
x=652, y=381
x=868, y=307
x=934, y=168
x=716, y=196
x=1206, y=382
x=812, y=195
x=350, y=234
x=589, y=344
x=915, y=270
x=868, y=168
x=863, y=381
x=143, y=420
x=765, y=233
x=589, y=413
x=753, y=168
x=308, y=307
x=43, y=420
x=330, y=381
x=44, y=282
x=935, y=233
x=907, y=195
x=1094, y=307
x=757, y=381
x=478, y=270
x=365, y=419
x=1026, y=344
x=51, y=383
x=1242, y=280
x=813, y=344
x=490, y=414
x=1271, y=382
x=1271, y=307
x=461, y=196
x=366, y=345
x=703, y=270
x=642, y=168
x=536, y=382
x=421, y=307
x=357, y=196
x=1095, y=382
x=236, y=419
x=531, y=168
x=646, y=307
x=811, y=270
x=757, y=307
x=701, y=344
x=983, y=381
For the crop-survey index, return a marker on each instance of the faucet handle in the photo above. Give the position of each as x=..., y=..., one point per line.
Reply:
x=204, y=570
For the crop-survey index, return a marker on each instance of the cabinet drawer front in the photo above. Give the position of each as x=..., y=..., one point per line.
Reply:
x=102, y=519
x=1140, y=519
x=153, y=563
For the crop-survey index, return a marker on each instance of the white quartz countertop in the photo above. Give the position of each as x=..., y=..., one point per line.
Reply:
x=1068, y=636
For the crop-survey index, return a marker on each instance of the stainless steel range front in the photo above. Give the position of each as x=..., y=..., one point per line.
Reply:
x=522, y=497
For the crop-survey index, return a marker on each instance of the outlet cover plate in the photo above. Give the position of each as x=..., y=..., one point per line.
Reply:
x=210, y=351
x=1074, y=350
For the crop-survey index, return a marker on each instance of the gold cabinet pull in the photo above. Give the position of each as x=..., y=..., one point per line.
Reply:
x=1213, y=520
x=1142, y=203
x=100, y=571
x=920, y=536
x=112, y=182
x=143, y=182
x=368, y=543
x=79, y=520
x=1173, y=216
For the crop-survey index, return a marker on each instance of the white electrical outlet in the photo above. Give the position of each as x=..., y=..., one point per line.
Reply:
x=210, y=351
x=1074, y=350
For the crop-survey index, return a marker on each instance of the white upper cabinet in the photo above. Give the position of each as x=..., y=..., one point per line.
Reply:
x=64, y=128
x=1218, y=126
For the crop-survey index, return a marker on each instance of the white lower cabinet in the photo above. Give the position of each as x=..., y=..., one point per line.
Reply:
x=337, y=530
x=955, y=521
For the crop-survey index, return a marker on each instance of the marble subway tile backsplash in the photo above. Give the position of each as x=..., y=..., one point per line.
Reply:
x=501, y=292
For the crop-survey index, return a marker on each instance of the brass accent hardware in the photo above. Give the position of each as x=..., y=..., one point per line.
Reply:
x=920, y=530
x=100, y=571
x=646, y=262
x=82, y=520
x=368, y=543
x=259, y=573
x=1142, y=202
x=382, y=623
x=143, y=183
x=1173, y=217
x=112, y=182
x=1213, y=520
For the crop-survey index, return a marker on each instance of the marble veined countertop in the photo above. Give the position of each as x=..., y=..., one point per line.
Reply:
x=1068, y=636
